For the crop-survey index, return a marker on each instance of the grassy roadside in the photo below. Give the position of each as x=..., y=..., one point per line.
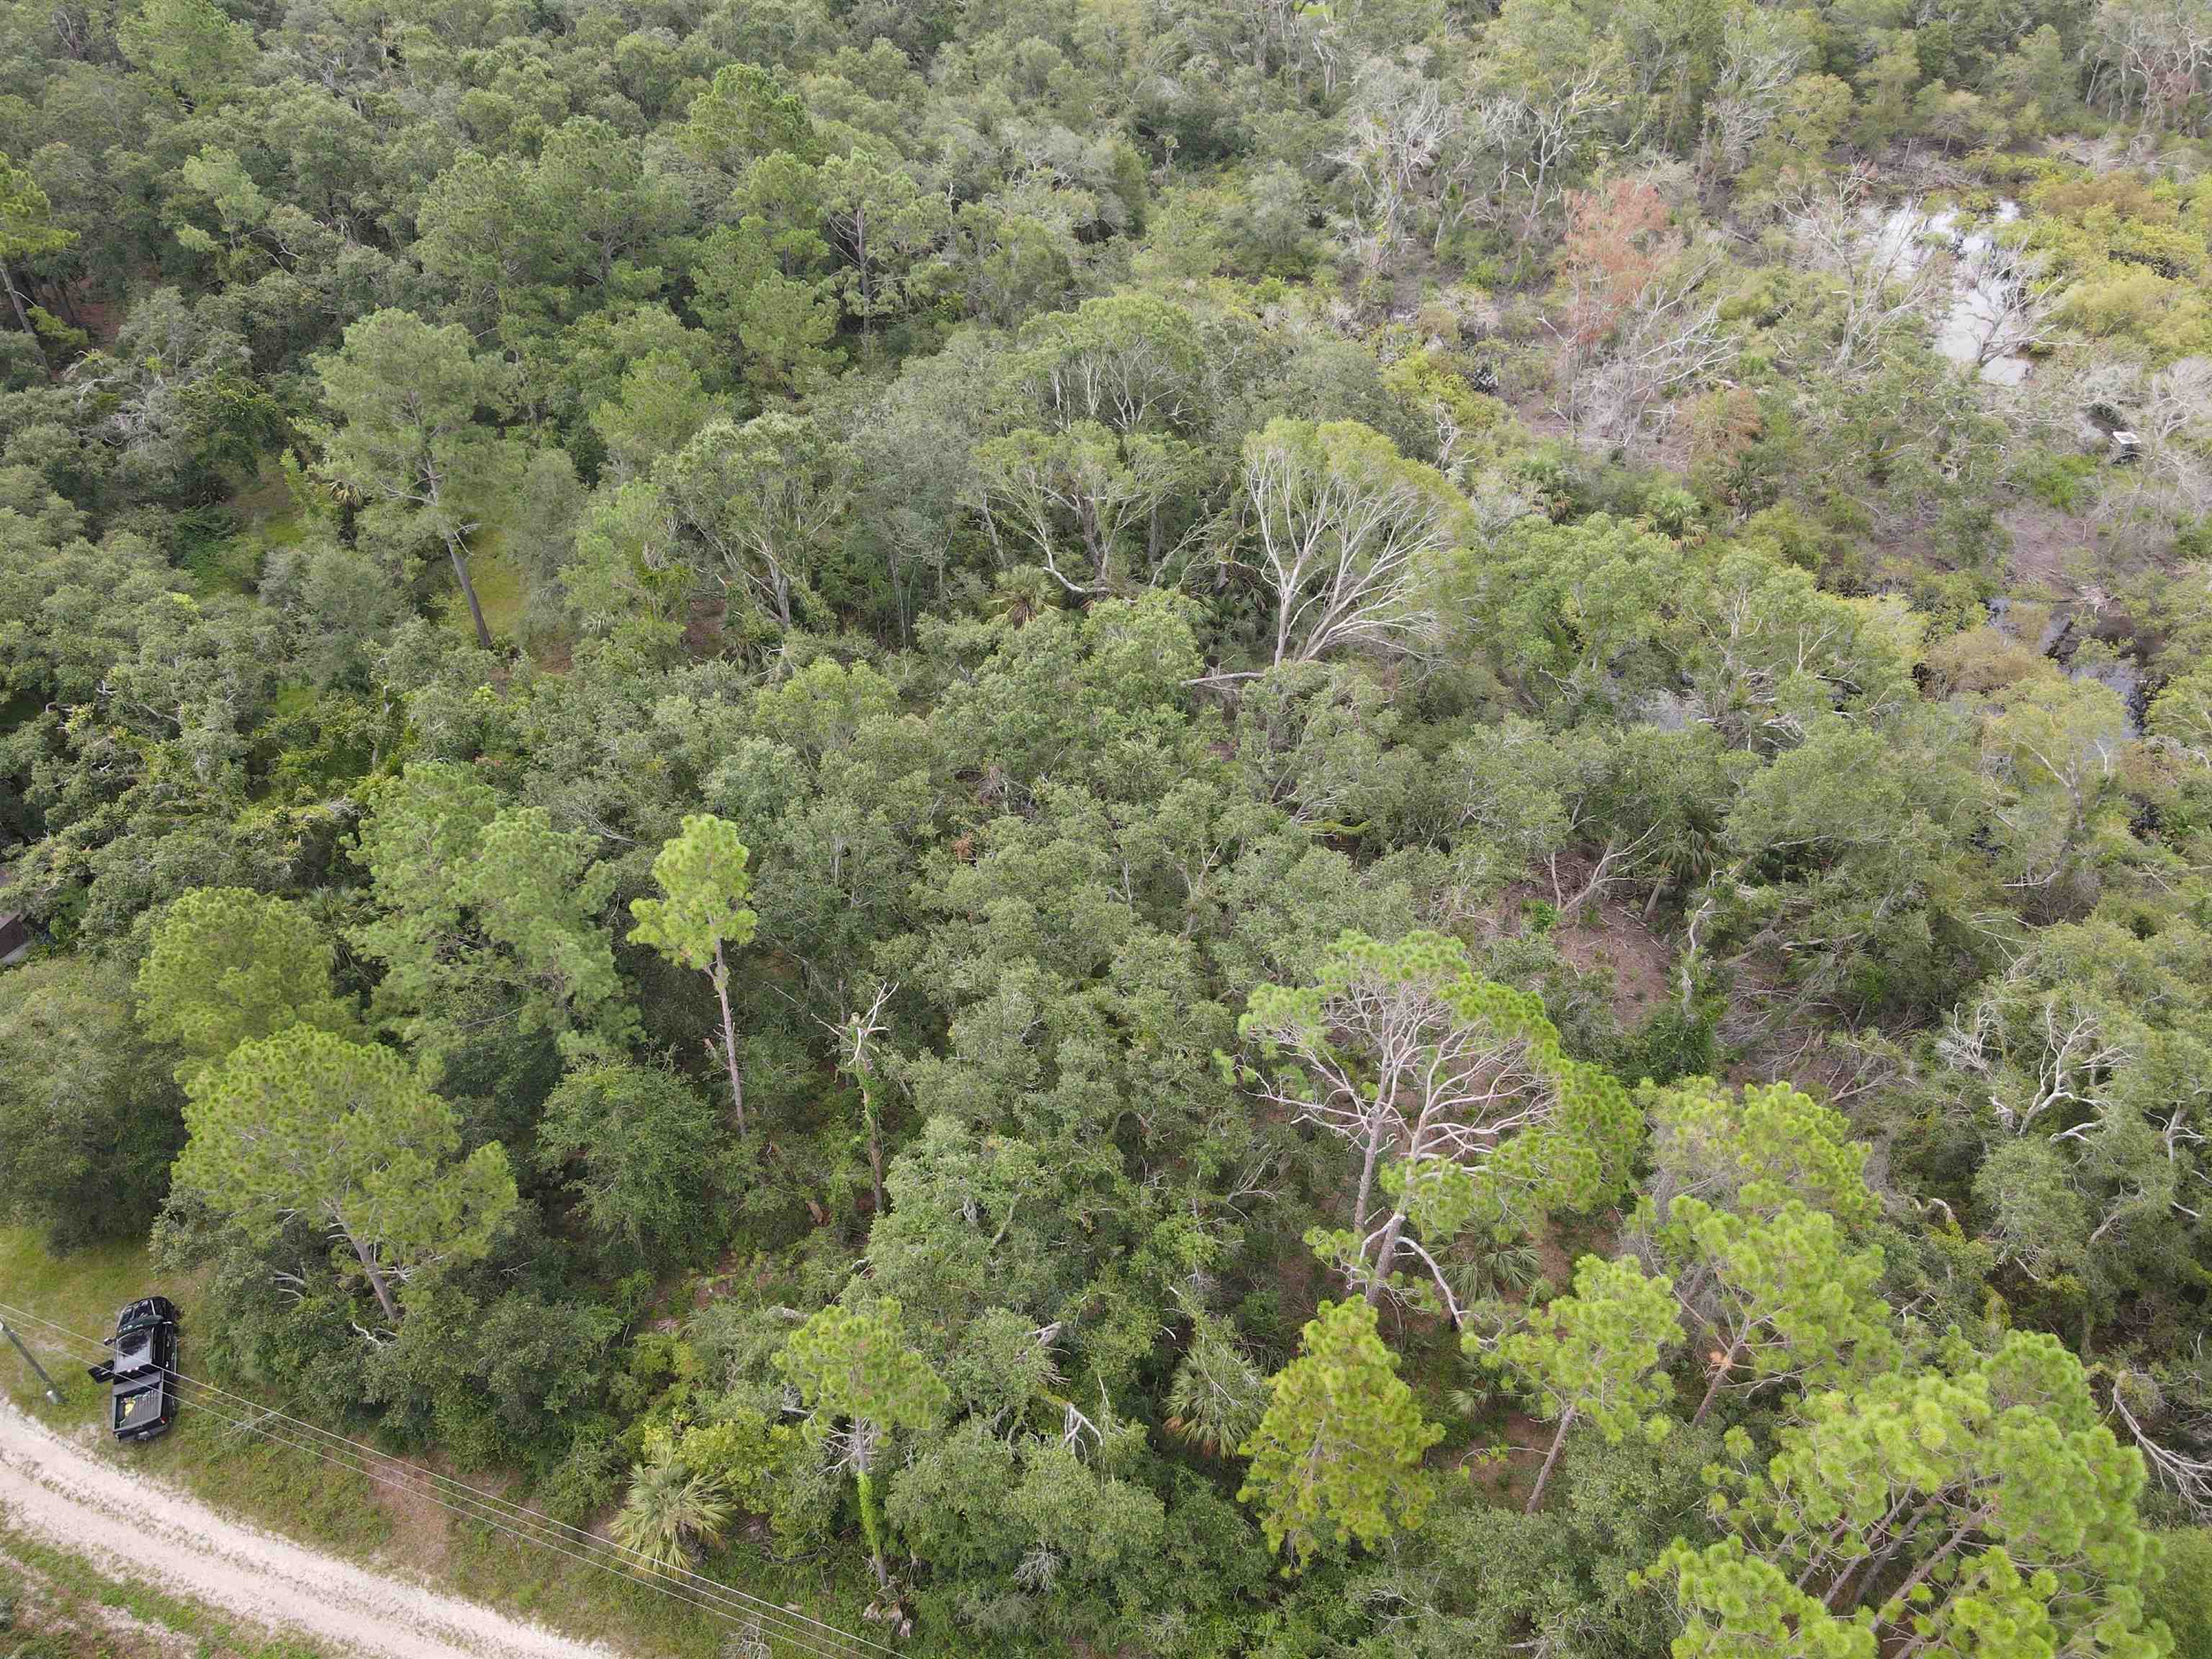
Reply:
x=276, y=1487
x=304, y=1497
x=54, y=1605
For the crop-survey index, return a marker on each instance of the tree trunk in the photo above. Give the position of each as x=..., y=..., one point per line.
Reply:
x=1366, y=1188
x=1544, y=1474
x=875, y=1144
x=376, y=1282
x=722, y=978
x=860, y=259
x=468, y=589
x=1386, y=1254
x=872, y=1523
x=1713, y=1388
x=7, y=282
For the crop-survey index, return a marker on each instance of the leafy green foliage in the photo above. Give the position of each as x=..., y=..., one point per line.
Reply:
x=305, y=1123
x=487, y=911
x=89, y=1118
x=1336, y=1457
x=227, y=966
x=635, y=1143
x=1592, y=1355
x=1186, y=634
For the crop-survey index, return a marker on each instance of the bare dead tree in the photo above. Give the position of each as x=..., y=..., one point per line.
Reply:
x=1670, y=340
x=862, y=1035
x=2137, y=1397
x=2013, y=301
x=1506, y=166
x=1394, y=134
x=1343, y=530
x=1087, y=500
x=1761, y=52
x=1881, y=271
x=2072, y=1054
x=1396, y=1066
x=2154, y=57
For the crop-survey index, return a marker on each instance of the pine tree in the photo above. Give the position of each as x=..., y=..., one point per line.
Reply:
x=701, y=876
x=1594, y=1356
x=228, y=965
x=862, y=1382
x=407, y=438
x=1979, y=1508
x=1337, y=1455
x=1784, y=1295
x=306, y=1124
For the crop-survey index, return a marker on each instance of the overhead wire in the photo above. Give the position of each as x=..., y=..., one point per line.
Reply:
x=766, y=1619
x=735, y=1606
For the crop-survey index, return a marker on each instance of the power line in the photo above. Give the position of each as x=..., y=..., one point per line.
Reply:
x=692, y=1588
x=500, y=1504
x=756, y=1616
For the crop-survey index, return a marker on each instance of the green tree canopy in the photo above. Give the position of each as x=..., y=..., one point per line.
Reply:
x=405, y=397
x=636, y=1145
x=228, y=965
x=90, y=1120
x=27, y=230
x=1595, y=1355
x=306, y=1125
x=1336, y=1457
x=1783, y=1295
x=487, y=911
x=856, y=1374
x=700, y=915
x=1980, y=1507
x=1715, y=1144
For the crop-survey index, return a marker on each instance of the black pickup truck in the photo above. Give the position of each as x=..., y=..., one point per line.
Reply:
x=143, y=1370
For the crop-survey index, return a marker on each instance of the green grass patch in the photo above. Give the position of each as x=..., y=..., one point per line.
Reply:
x=69, y=1586
x=246, y=1474
x=2067, y=484
x=208, y=547
x=83, y=1290
x=222, y=548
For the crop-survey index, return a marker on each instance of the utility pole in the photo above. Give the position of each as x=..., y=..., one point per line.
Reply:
x=53, y=1393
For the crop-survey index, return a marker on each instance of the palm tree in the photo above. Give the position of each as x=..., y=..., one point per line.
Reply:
x=671, y=1511
x=1216, y=1396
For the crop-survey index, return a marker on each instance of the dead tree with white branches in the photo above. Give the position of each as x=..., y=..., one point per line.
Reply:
x=1425, y=1071
x=1342, y=532
x=1882, y=273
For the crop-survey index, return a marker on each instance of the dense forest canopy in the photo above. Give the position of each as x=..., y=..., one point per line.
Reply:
x=1209, y=827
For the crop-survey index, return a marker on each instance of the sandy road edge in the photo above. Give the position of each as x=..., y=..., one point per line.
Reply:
x=65, y=1494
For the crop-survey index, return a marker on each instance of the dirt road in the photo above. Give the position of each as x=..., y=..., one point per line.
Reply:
x=62, y=1493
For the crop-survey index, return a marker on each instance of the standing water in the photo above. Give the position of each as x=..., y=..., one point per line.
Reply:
x=1984, y=285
